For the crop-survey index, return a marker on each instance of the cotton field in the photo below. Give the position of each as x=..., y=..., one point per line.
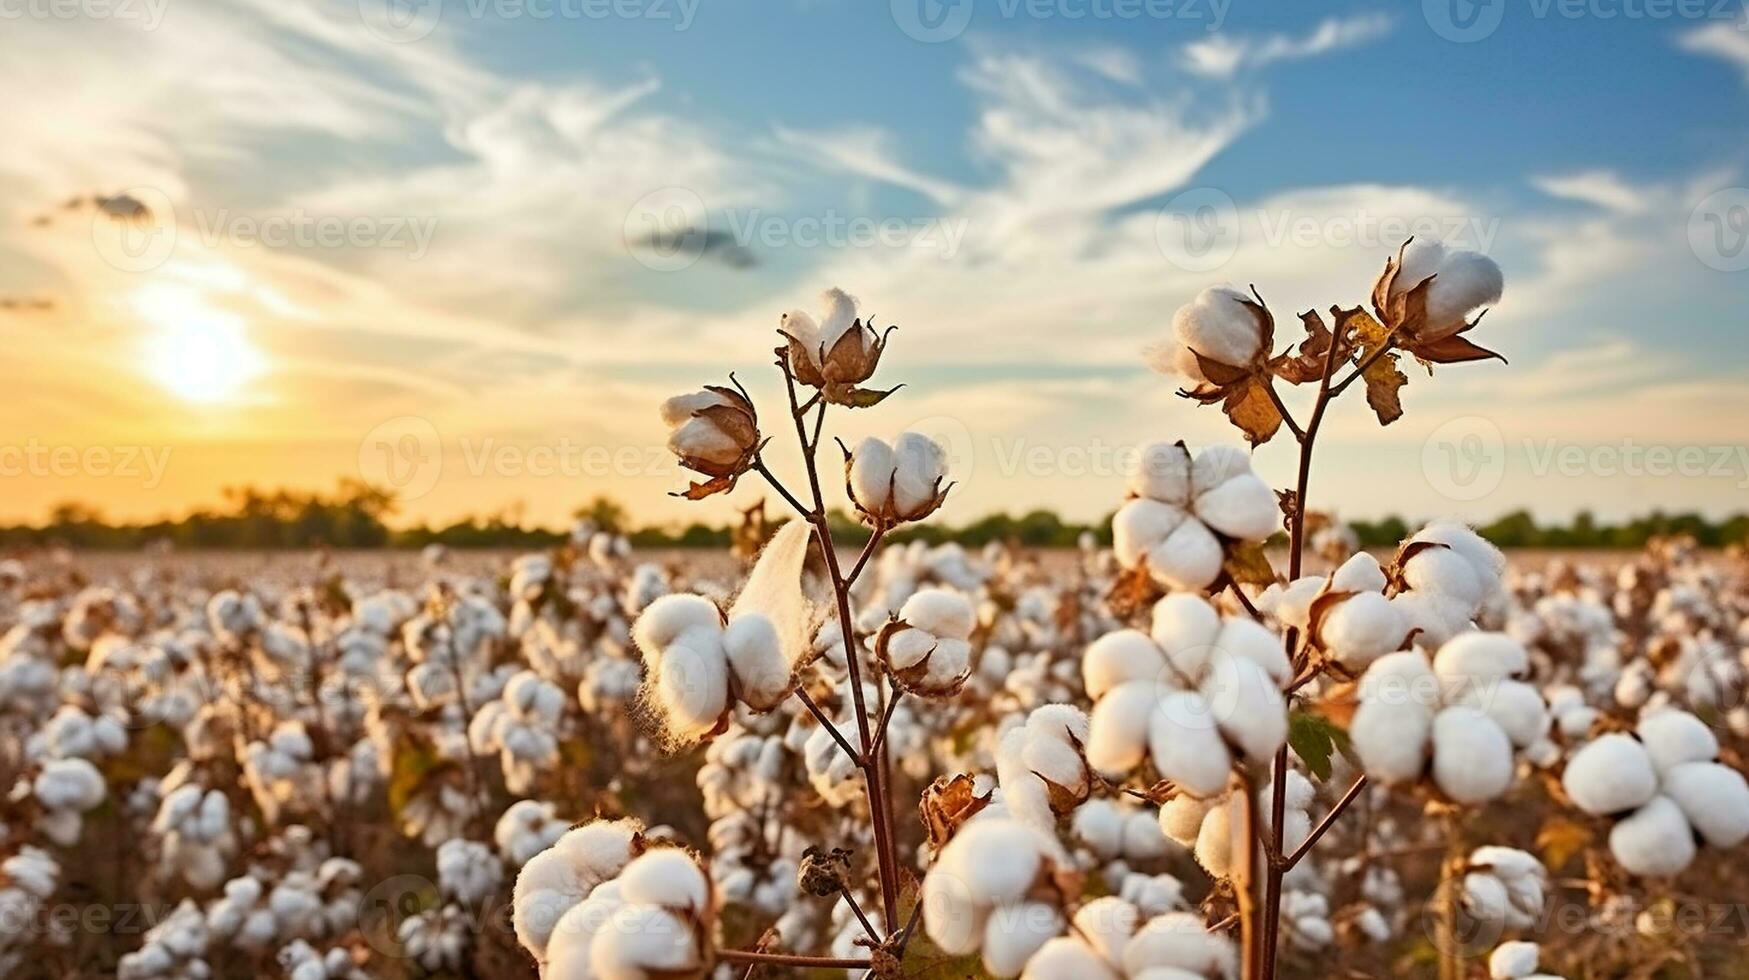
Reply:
x=1223, y=747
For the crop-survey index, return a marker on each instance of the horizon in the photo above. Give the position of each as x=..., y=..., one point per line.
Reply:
x=467, y=254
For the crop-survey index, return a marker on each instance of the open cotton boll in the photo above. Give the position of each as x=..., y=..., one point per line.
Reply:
x=563, y=875
x=569, y=949
x=1360, y=573
x=678, y=410
x=1118, y=657
x=1221, y=324
x=1467, y=280
x=1610, y=774
x=1251, y=640
x=872, y=473
x=1420, y=258
x=1513, y=705
x=839, y=317
x=1242, y=507
x=1140, y=526
x=1179, y=941
x=1186, y=627
x=1472, y=757
x=1655, y=841
x=1117, y=738
x=1182, y=816
x=756, y=657
x=997, y=861
x=1391, y=739
x=1106, y=924
x=1362, y=628
x=665, y=619
x=1512, y=960
x=1068, y=958
x=1487, y=563
x=1713, y=797
x=920, y=466
x=1438, y=618
x=665, y=876
x=692, y=685
x=1673, y=737
x=1188, y=559
x=1186, y=744
x=1442, y=571
x=1216, y=465
x=1478, y=659
x=645, y=941
x=942, y=612
x=1163, y=473
x=1015, y=932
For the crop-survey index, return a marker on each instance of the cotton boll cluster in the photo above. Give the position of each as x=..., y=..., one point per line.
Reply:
x=527, y=828
x=73, y=734
x=560, y=878
x=1182, y=512
x=1516, y=960
x=437, y=939
x=898, y=482
x=654, y=918
x=468, y=871
x=1458, y=719
x=27, y=880
x=1448, y=573
x=1041, y=767
x=1504, y=887
x=1194, y=695
x=1306, y=915
x=928, y=648
x=1666, y=789
x=1117, y=830
x=994, y=889
x=281, y=772
x=66, y=789
x=522, y=727
x=301, y=961
x=1345, y=614
x=1206, y=825
x=195, y=834
x=1112, y=940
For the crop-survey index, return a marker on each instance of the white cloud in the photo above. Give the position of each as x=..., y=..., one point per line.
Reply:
x=1223, y=56
x=1720, y=39
x=1599, y=187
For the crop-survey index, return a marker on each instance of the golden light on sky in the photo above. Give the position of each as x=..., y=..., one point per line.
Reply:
x=198, y=352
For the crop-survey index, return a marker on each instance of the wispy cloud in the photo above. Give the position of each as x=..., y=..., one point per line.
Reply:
x=1598, y=187
x=1721, y=39
x=1223, y=56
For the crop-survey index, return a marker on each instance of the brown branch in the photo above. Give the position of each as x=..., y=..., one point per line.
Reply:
x=1325, y=824
x=792, y=959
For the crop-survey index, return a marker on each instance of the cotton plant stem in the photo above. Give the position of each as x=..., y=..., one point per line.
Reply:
x=792, y=959
x=1244, y=883
x=1450, y=964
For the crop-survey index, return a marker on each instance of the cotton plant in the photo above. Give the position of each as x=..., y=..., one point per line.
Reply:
x=1505, y=887
x=1664, y=791
x=521, y=727
x=996, y=890
x=1186, y=514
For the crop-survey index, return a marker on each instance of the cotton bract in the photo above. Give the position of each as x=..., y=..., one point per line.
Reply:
x=1182, y=510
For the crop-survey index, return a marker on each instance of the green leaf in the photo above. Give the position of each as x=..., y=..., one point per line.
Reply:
x=867, y=397
x=1314, y=739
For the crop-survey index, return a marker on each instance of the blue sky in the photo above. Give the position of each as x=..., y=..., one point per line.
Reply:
x=495, y=169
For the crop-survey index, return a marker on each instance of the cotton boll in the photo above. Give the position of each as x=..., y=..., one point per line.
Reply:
x=1186, y=628
x=1142, y=840
x=1253, y=641
x=1100, y=825
x=1189, y=559
x=569, y=949
x=641, y=941
x=1140, y=526
x=1106, y=924
x=872, y=473
x=1181, y=818
x=1402, y=678
x=1178, y=940
x=1673, y=737
x=1221, y=324
x=939, y=611
x=1467, y=280
x=1472, y=757
x=1391, y=739
x=1437, y=618
x=1360, y=573
x=1068, y=958
x=1215, y=848
x=952, y=920
x=668, y=617
x=1512, y=960
x=1117, y=657
x=1515, y=706
x=1419, y=259
x=703, y=438
x=693, y=685
x=1117, y=737
x=949, y=663
x=1163, y=473
x=1186, y=744
x=1714, y=798
x=1015, y=932
x=1610, y=774
x=997, y=860
x=1216, y=465
x=755, y=654
x=921, y=466
x=1246, y=702
x=907, y=648
x=1243, y=507
x=1362, y=628
x=1487, y=562
x=1442, y=571
x=677, y=410
x=1476, y=659
x=1655, y=841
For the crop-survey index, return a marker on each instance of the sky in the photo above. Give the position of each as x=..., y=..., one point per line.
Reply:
x=464, y=248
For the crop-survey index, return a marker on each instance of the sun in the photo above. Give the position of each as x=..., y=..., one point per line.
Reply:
x=197, y=351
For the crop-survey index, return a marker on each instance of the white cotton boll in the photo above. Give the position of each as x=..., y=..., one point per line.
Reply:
x=70, y=784
x=1100, y=825
x=1472, y=757
x=1391, y=739
x=1467, y=280
x=1243, y=507
x=1163, y=473
x=1656, y=841
x=1118, y=657
x=1421, y=257
x=1248, y=705
x=1362, y=628
x=1015, y=932
x=1177, y=940
x=1487, y=562
x=1477, y=658
x=951, y=660
x=1067, y=958
x=907, y=648
x=1185, y=627
x=1674, y=737
x=939, y=611
x=1360, y=573
x=1714, y=798
x=839, y=318
x=1485, y=897
x=665, y=876
x=668, y=617
x=755, y=655
x=1189, y=559
x=569, y=949
x=641, y=941
x=1216, y=465
x=1142, y=840
x=1438, y=618
x=1610, y=774
x=1140, y=526
x=677, y=410
x=1106, y=924
x=1181, y=818
x=1221, y=325
x=1402, y=678
x=997, y=861
x=1515, y=706
x=1117, y=738
x=1512, y=960
x=1442, y=571
x=693, y=685
x=872, y=469
x=1291, y=604
x=921, y=465
x=951, y=919
x=1186, y=744
x=1255, y=642
x=705, y=439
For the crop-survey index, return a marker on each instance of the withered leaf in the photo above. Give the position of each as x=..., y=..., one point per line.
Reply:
x=865, y=397
x=1306, y=363
x=1249, y=407
x=1247, y=564
x=1455, y=349
x=1219, y=374
x=1560, y=838
x=699, y=491
x=1383, y=378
